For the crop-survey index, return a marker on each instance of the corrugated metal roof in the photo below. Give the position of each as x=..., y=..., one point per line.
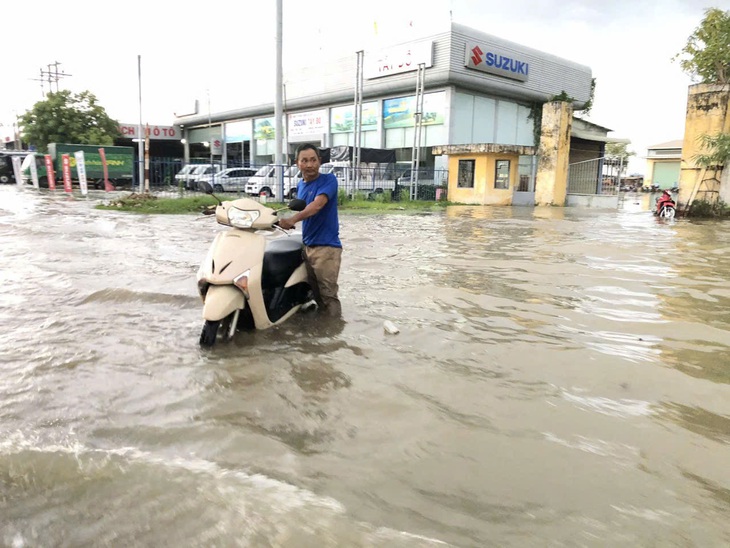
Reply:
x=668, y=144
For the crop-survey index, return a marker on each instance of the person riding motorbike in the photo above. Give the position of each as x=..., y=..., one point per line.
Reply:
x=665, y=198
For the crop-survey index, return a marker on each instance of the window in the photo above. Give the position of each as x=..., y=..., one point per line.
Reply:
x=501, y=174
x=466, y=174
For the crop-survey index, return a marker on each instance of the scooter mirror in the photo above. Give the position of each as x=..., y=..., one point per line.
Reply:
x=205, y=187
x=297, y=205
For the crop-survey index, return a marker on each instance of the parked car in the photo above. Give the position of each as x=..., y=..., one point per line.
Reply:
x=7, y=175
x=233, y=179
x=190, y=173
x=264, y=182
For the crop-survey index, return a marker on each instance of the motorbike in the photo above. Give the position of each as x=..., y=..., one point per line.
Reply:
x=666, y=207
x=250, y=278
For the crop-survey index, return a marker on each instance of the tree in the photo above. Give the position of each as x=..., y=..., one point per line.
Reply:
x=64, y=117
x=717, y=150
x=618, y=155
x=706, y=57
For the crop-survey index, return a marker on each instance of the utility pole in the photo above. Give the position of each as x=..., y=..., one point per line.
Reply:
x=140, y=138
x=278, y=107
x=52, y=76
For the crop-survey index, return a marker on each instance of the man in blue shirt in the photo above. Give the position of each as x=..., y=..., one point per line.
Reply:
x=320, y=229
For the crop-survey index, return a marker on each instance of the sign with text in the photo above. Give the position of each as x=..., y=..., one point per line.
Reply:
x=501, y=63
x=16, y=170
x=108, y=187
x=264, y=129
x=130, y=131
x=33, y=170
x=396, y=60
x=308, y=123
x=81, y=170
x=342, y=119
x=399, y=112
x=49, y=172
x=66, y=168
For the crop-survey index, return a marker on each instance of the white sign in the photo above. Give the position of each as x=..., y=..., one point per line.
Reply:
x=216, y=146
x=313, y=122
x=33, y=170
x=398, y=59
x=16, y=170
x=168, y=133
x=81, y=170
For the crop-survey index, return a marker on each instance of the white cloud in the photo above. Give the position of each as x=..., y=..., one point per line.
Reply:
x=226, y=50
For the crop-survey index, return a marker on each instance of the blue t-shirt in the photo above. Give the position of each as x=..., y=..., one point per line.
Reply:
x=324, y=227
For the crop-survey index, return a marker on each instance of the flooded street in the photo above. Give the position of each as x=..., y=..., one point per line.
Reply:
x=561, y=378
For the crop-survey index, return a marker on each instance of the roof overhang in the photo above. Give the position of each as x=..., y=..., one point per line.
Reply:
x=592, y=136
x=484, y=148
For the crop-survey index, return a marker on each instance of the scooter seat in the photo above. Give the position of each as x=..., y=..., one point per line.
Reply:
x=281, y=257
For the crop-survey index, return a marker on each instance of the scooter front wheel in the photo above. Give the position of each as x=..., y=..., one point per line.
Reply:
x=209, y=333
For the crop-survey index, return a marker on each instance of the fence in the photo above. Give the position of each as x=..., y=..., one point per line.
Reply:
x=597, y=176
x=381, y=182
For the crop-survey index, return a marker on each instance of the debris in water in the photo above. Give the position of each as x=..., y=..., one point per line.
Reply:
x=390, y=327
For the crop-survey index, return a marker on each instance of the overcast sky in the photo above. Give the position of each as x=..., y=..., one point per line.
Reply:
x=223, y=52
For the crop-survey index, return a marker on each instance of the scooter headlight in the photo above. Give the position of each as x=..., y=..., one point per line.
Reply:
x=242, y=218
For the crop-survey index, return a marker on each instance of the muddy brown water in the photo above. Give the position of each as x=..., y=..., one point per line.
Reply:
x=561, y=378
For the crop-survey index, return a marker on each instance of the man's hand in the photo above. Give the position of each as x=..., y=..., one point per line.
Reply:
x=286, y=224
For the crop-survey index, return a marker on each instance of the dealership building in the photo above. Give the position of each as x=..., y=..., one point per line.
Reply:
x=458, y=93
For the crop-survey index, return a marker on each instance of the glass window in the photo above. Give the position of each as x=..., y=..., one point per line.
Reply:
x=501, y=174
x=466, y=174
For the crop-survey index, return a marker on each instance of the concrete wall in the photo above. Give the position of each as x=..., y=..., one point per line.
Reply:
x=593, y=201
x=552, y=171
x=708, y=112
x=483, y=191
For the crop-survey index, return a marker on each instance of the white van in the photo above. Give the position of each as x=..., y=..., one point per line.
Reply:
x=264, y=182
x=189, y=174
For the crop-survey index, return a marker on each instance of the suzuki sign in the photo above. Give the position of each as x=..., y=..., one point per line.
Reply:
x=491, y=60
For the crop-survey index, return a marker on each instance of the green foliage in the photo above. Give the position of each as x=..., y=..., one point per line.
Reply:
x=64, y=117
x=706, y=56
x=148, y=203
x=705, y=209
x=618, y=150
x=536, y=110
x=718, y=150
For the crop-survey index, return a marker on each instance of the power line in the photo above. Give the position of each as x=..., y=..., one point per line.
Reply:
x=51, y=76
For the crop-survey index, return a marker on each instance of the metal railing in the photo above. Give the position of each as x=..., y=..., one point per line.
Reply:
x=598, y=176
x=380, y=182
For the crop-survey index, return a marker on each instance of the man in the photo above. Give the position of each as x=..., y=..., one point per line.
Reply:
x=320, y=230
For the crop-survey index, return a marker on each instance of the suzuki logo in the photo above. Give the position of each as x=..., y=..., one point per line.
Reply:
x=476, y=58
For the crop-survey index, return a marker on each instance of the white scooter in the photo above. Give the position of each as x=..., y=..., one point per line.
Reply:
x=250, y=279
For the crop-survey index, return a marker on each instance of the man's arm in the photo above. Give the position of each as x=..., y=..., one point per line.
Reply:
x=312, y=209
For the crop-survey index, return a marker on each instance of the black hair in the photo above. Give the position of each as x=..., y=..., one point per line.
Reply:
x=306, y=146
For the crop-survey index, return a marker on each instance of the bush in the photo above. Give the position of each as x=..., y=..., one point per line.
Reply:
x=705, y=209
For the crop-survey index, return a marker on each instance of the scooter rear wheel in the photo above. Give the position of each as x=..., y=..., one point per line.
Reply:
x=209, y=333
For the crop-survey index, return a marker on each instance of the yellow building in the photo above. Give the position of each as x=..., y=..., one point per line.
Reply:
x=486, y=174
x=663, y=164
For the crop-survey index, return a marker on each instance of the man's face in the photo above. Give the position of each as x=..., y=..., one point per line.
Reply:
x=308, y=162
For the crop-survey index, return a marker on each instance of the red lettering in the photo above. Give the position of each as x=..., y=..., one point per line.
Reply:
x=156, y=131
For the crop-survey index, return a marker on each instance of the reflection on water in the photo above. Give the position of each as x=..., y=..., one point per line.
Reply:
x=560, y=378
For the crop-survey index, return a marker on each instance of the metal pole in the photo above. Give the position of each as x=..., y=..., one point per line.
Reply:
x=140, y=143
x=210, y=143
x=278, y=107
x=357, y=126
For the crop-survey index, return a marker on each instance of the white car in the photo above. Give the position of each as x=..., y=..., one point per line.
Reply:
x=233, y=179
x=264, y=182
x=192, y=172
